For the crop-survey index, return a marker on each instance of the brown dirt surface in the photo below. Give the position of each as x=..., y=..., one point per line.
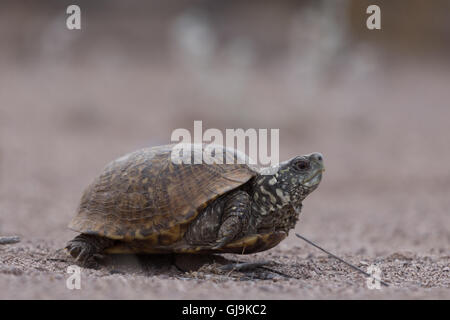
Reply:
x=384, y=198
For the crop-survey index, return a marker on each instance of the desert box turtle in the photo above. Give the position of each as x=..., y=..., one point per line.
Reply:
x=143, y=202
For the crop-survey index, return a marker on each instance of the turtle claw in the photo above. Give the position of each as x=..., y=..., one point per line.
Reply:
x=73, y=249
x=88, y=260
x=222, y=243
x=218, y=246
x=83, y=255
x=86, y=249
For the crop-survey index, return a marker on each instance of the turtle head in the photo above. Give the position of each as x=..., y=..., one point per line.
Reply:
x=290, y=183
x=300, y=176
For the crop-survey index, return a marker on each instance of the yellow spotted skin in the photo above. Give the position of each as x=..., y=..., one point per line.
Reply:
x=147, y=202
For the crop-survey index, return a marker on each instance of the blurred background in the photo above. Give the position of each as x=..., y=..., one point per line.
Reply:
x=374, y=102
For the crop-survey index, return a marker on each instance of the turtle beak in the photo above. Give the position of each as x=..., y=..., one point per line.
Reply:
x=318, y=159
x=314, y=178
x=317, y=162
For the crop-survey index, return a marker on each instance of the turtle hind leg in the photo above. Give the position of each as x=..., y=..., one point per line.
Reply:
x=86, y=248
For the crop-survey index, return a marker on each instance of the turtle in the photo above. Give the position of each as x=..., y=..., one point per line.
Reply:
x=146, y=203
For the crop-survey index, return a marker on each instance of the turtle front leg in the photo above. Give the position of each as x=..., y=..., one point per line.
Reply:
x=235, y=218
x=85, y=248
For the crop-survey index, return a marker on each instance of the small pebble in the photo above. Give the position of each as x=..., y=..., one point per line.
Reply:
x=9, y=240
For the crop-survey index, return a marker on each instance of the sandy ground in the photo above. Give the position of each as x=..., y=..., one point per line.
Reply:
x=384, y=199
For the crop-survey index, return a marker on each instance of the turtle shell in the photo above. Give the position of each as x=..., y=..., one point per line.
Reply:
x=145, y=195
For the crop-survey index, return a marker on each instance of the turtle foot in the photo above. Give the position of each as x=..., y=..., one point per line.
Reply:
x=86, y=250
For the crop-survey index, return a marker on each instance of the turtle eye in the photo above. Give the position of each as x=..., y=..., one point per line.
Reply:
x=301, y=165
